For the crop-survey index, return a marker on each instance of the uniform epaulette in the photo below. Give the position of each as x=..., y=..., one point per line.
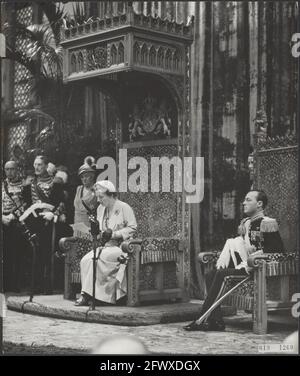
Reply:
x=244, y=220
x=269, y=225
x=241, y=227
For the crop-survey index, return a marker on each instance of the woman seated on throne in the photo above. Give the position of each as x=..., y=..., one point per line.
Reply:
x=117, y=223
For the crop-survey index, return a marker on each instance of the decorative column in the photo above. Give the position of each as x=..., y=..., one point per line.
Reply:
x=197, y=108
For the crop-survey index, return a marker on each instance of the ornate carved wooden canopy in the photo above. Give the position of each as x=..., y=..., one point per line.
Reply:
x=124, y=43
x=143, y=62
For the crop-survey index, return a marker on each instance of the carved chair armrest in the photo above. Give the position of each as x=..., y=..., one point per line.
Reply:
x=208, y=257
x=276, y=263
x=253, y=260
x=66, y=244
x=129, y=246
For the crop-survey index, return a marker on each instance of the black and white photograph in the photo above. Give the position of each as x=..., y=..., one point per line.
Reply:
x=149, y=157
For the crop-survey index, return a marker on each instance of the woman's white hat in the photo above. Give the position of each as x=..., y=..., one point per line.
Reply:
x=105, y=186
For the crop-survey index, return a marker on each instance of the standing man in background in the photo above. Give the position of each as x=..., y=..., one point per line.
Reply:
x=14, y=245
x=45, y=222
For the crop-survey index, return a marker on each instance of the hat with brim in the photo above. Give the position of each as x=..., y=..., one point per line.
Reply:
x=85, y=168
x=105, y=186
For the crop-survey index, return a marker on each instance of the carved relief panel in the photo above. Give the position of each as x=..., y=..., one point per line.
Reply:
x=98, y=56
x=158, y=55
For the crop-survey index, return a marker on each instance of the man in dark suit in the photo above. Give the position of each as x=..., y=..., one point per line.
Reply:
x=256, y=233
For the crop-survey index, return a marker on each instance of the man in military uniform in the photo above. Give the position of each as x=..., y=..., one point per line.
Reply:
x=257, y=233
x=13, y=242
x=45, y=217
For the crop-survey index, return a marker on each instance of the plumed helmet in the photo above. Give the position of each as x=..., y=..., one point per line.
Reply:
x=88, y=165
x=51, y=169
x=62, y=175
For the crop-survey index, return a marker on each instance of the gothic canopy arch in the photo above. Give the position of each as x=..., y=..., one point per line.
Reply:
x=125, y=43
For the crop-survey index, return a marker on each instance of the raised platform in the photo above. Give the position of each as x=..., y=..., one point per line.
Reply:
x=56, y=306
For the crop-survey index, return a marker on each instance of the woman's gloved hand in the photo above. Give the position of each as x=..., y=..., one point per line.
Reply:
x=48, y=216
x=106, y=236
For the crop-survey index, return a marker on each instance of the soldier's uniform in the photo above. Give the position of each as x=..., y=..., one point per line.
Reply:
x=45, y=190
x=263, y=233
x=14, y=245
